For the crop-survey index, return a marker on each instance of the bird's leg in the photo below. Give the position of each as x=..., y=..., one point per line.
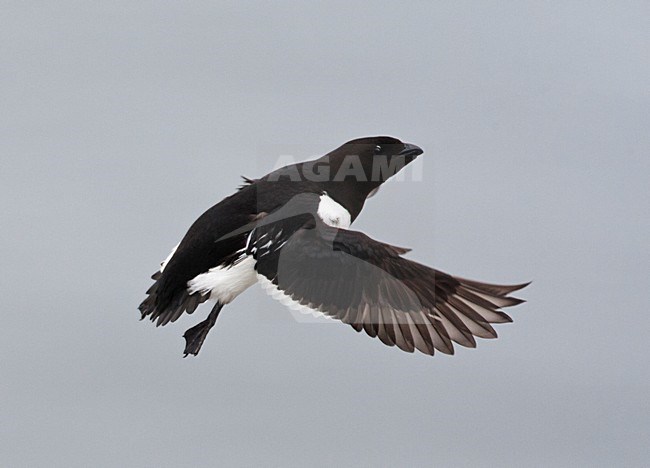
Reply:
x=195, y=336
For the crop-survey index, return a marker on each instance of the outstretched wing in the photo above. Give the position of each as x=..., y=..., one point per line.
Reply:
x=368, y=284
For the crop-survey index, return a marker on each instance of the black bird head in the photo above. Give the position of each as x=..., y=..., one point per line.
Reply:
x=370, y=161
x=357, y=168
x=349, y=174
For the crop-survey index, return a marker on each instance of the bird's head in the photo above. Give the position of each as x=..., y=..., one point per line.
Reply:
x=370, y=161
x=354, y=171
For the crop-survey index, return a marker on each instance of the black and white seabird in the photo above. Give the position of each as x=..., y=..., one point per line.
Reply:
x=289, y=231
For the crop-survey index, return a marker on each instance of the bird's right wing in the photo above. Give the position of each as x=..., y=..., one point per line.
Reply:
x=367, y=284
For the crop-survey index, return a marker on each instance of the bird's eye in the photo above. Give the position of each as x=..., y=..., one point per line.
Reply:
x=377, y=149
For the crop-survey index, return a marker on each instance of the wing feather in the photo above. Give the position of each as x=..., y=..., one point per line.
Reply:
x=370, y=286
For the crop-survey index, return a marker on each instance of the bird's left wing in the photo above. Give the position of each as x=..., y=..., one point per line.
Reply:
x=367, y=284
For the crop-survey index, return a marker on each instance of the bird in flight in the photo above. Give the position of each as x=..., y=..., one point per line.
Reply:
x=290, y=232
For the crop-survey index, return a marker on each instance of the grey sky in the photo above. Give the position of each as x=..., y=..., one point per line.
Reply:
x=122, y=121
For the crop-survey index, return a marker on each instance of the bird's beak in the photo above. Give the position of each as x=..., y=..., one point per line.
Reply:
x=410, y=151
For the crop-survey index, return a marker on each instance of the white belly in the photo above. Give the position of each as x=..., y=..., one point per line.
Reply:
x=225, y=283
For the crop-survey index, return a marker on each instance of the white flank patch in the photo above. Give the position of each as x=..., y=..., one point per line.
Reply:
x=169, y=257
x=332, y=213
x=284, y=299
x=225, y=283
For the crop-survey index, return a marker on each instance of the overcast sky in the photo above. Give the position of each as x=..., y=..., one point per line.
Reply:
x=121, y=122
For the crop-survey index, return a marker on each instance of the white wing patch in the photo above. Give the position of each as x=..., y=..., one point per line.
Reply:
x=225, y=283
x=332, y=213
